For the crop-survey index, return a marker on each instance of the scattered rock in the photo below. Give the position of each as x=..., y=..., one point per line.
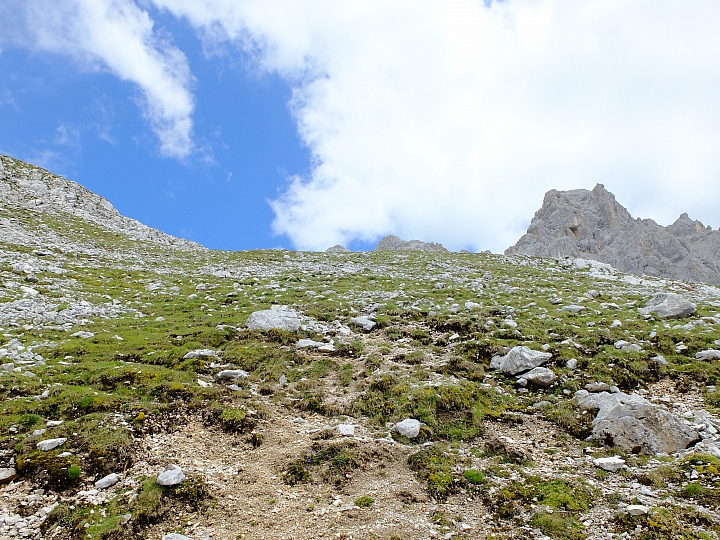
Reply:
x=170, y=476
x=232, y=374
x=710, y=354
x=572, y=363
x=199, y=353
x=363, y=322
x=597, y=387
x=634, y=424
x=409, y=428
x=50, y=444
x=107, y=481
x=277, y=317
x=337, y=248
x=611, y=464
x=660, y=360
x=175, y=536
x=519, y=359
x=668, y=306
x=540, y=376
x=7, y=474
x=637, y=509
x=347, y=430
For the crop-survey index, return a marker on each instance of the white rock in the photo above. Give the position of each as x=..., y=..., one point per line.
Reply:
x=49, y=444
x=363, y=322
x=232, y=374
x=277, y=317
x=175, y=536
x=409, y=428
x=519, y=359
x=107, y=481
x=199, y=353
x=572, y=363
x=710, y=354
x=668, y=306
x=308, y=344
x=637, y=509
x=612, y=464
x=540, y=376
x=347, y=430
x=170, y=476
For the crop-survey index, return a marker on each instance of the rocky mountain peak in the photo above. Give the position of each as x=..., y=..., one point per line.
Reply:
x=593, y=225
x=394, y=243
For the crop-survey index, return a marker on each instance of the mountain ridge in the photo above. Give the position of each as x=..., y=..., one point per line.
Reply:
x=593, y=225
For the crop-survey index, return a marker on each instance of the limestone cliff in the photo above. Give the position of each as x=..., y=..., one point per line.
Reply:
x=593, y=225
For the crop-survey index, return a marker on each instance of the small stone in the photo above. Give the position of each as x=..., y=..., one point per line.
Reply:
x=107, y=481
x=346, y=430
x=572, y=363
x=283, y=379
x=232, y=374
x=363, y=322
x=49, y=444
x=175, y=536
x=199, y=353
x=7, y=474
x=660, y=360
x=710, y=354
x=170, y=476
x=540, y=376
x=612, y=464
x=597, y=387
x=637, y=510
x=409, y=428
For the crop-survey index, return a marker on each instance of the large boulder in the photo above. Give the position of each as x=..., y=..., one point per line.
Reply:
x=277, y=317
x=634, y=424
x=540, y=376
x=519, y=359
x=668, y=306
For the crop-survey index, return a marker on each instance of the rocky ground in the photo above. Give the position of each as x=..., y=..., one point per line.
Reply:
x=157, y=389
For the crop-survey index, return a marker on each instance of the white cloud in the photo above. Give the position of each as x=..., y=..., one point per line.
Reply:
x=118, y=36
x=447, y=121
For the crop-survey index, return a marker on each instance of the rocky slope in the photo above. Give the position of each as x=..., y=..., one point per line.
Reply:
x=593, y=225
x=29, y=187
x=152, y=391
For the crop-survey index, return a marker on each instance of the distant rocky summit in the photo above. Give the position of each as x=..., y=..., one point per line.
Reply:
x=337, y=248
x=393, y=243
x=26, y=186
x=593, y=225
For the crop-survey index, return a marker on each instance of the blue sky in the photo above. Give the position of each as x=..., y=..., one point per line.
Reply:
x=86, y=126
x=265, y=123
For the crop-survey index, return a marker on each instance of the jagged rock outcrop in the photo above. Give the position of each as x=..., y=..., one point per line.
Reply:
x=593, y=225
x=337, y=248
x=26, y=186
x=393, y=243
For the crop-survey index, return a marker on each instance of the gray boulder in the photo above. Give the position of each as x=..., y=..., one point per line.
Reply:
x=610, y=464
x=363, y=322
x=393, y=243
x=634, y=424
x=232, y=374
x=7, y=474
x=337, y=248
x=592, y=225
x=50, y=444
x=107, y=481
x=668, y=306
x=519, y=359
x=710, y=354
x=409, y=428
x=199, y=353
x=540, y=376
x=277, y=317
x=170, y=476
